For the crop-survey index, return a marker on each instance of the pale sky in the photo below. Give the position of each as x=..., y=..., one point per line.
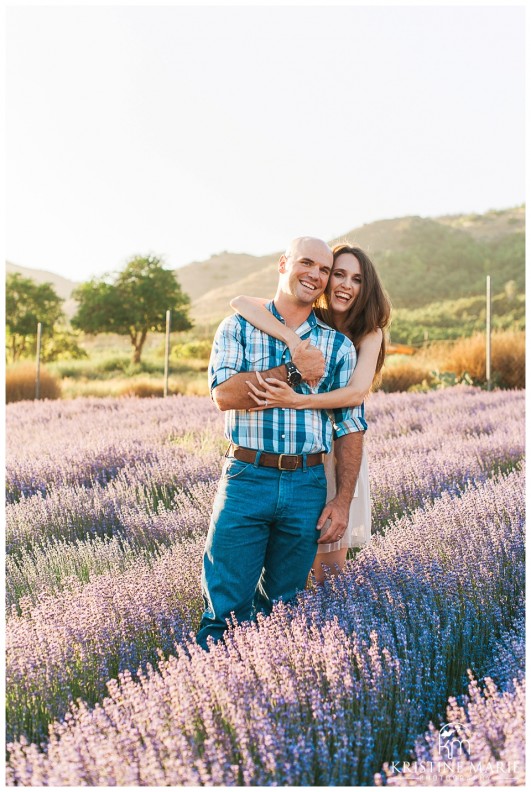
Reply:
x=184, y=131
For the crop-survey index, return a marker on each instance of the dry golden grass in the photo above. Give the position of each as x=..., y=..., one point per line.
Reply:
x=400, y=373
x=403, y=375
x=189, y=384
x=507, y=358
x=144, y=389
x=20, y=383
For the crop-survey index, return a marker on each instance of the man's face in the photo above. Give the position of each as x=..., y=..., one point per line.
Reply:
x=305, y=271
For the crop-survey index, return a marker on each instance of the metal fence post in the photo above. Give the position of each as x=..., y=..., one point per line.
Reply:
x=167, y=353
x=487, y=333
x=38, y=373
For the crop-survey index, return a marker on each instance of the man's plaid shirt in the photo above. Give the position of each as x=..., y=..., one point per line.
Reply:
x=239, y=346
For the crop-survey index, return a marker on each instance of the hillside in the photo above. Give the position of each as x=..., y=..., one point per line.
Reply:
x=491, y=225
x=62, y=286
x=421, y=261
x=452, y=319
x=220, y=270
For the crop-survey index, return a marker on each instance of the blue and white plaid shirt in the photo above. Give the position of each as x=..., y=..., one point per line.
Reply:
x=239, y=346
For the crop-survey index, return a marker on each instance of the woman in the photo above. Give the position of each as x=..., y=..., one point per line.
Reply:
x=356, y=304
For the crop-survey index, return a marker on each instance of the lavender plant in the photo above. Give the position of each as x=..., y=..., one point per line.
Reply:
x=489, y=747
x=423, y=449
x=49, y=566
x=108, y=506
x=90, y=440
x=323, y=693
x=490, y=721
x=508, y=655
x=70, y=643
x=126, y=507
x=423, y=446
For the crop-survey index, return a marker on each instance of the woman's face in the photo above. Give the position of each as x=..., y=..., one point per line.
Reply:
x=345, y=282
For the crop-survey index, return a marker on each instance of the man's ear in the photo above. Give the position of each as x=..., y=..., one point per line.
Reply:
x=282, y=263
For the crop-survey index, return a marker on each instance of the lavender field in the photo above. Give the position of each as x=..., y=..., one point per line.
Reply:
x=107, y=513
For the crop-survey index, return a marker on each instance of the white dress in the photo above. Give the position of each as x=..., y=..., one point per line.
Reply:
x=358, y=533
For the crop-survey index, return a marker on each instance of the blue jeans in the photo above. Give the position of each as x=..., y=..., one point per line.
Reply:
x=261, y=542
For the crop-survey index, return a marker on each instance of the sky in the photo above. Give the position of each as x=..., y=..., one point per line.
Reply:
x=185, y=131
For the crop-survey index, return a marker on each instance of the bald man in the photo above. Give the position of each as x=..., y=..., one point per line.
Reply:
x=262, y=537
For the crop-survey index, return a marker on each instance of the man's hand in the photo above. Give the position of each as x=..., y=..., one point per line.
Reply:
x=348, y=450
x=233, y=394
x=310, y=362
x=337, y=511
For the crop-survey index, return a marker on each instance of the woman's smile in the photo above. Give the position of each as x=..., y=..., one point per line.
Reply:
x=345, y=283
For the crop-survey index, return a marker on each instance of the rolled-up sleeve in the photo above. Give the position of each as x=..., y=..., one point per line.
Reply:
x=227, y=357
x=347, y=419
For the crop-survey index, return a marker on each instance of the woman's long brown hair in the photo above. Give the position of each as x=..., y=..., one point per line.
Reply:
x=371, y=309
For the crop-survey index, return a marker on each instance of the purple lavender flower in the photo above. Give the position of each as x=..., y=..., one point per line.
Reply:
x=109, y=502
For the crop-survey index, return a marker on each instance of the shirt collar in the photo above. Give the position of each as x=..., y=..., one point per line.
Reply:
x=305, y=327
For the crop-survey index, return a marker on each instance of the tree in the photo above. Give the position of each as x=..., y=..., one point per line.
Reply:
x=27, y=304
x=62, y=345
x=132, y=302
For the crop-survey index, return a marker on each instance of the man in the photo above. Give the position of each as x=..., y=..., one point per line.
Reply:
x=262, y=537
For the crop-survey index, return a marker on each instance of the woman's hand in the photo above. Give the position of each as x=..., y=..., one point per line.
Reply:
x=273, y=393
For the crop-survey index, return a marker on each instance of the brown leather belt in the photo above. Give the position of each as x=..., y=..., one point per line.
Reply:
x=279, y=461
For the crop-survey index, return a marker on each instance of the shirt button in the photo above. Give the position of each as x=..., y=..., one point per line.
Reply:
x=283, y=436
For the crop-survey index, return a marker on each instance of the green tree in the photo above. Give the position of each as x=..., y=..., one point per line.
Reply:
x=27, y=304
x=62, y=345
x=132, y=302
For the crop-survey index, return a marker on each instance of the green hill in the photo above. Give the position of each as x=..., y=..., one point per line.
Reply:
x=423, y=262
x=63, y=286
x=452, y=319
x=432, y=262
x=202, y=277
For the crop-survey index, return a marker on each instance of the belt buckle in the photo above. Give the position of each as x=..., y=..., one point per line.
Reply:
x=292, y=456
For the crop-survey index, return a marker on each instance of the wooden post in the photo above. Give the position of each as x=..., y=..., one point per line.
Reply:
x=38, y=373
x=487, y=333
x=167, y=353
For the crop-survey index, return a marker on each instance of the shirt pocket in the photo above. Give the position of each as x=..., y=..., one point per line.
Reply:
x=258, y=359
x=261, y=352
